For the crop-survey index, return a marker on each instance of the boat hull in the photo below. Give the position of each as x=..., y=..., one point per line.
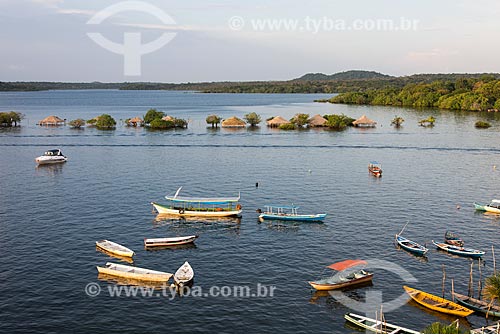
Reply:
x=477, y=305
x=464, y=252
x=377, y=326
x=375, y=172
x=326, y=287
x=310, y=218
x=184, y=275
x=125, y=252
x=161, y=209
x=41, y=161
x=486, y=208
x=135, y=273
x=168, y=242
x=435, y=303
x=406, y=245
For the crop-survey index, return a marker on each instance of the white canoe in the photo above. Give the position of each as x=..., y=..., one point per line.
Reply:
x=377, y=326
x=173, y=241
x=493, y=329
x=165, y=210
x=184, y=275
x=114, y=248
x=142, y=274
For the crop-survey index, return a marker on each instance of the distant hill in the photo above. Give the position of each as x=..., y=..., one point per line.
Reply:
x=347, y=75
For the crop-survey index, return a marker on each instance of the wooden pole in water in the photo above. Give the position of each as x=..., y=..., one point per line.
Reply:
x=444, y=278
x=494, y=261
x=452, y=290
x=471, y=289
x=480, y=287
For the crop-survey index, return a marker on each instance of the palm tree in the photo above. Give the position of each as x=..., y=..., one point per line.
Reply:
x=214, y=120
x=491, y=289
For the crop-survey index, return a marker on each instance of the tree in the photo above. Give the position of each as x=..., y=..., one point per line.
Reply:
x=7, y=118
x=180, y=123
x=439, y=328
x=338, y=122
x=397, y=121
x=300, y=120
x=77, y=123
x=15, y=117
x=491, y=289
x=214, y=120
x=482, y=125
x=92, y=121
x=287, y=126
x=253, y=118
x=153, y=114
x=160, y=124
x=105, y=121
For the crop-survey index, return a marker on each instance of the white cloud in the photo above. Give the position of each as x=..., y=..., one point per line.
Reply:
x=75, y=11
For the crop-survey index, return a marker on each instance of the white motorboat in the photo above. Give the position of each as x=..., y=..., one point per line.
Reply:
x=51, y=157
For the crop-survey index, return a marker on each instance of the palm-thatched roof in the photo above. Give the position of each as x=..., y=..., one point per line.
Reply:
x=135, y=121
x=233, y=122
x=317, y=120
x=51, y=120
x=364, y=121
x=167, y=118
x=277, y=121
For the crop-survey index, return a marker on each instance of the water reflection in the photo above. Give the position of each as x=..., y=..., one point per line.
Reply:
x=172, y=248
x=196, y=225
x=115, y=256
x=420, y=258
x=49, y=170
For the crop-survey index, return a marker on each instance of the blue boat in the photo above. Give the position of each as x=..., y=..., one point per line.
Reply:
x=460, y=251
x=411, y=246
x=275, y=212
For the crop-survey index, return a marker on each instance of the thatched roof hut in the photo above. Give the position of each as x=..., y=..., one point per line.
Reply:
x=52, y=120
x=317, y=121
x=364, y=121
x=277, y=121
x=136, y=121
x=233, y=122
x=167, y=118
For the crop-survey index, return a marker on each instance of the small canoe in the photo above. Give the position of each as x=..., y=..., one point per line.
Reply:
x=453, y=239
x=166, y=242
x=493, y=207
x=114, y=248
x=477, y=305
x=411, y=246
x=184, y=275
x=436, y=303
x=493, y=329
x=460, y=251
x=120, y=270
x=290, y=213
x=377, y=326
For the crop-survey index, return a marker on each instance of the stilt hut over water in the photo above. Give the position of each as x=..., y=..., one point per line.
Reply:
x=52, y=121
x=168, y=118
x=277, y=121
x=364, y=122
x=317, y=121
x=233, y=122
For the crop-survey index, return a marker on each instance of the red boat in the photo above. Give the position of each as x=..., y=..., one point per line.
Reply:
x=375, y=168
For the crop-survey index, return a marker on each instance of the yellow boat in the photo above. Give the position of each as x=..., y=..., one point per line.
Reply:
x=436, y=303
x=141, y=274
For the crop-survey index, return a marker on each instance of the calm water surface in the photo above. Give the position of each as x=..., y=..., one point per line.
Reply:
x=51, y=217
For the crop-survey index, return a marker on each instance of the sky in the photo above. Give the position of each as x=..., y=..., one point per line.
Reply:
x=223, y=40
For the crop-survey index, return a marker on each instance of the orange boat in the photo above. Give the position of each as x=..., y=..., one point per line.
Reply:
x=375, y=168
x=348, y=273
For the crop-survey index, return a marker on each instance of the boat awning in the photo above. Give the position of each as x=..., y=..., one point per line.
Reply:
x=289, y=207
x=339, y=266
x=495, y=201
x=179, y=199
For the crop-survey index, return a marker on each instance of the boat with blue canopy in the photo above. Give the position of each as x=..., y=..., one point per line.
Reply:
x=200, y=206
x=280, y=212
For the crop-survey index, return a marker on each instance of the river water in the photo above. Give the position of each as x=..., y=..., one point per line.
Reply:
x=50, y=217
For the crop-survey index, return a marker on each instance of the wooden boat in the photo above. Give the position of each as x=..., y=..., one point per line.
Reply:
x=377, y=326
x=114, y=248
x=349, y=272
x=411, y=246
x=493, y=207
x=120, y=270
x=273, y=212
x=165, y=242
x=51, y=157
x=453, y=239
x=375, y=168
x=199, y=207
x=436, y=303
x=477, y=305
x=493, y=329
x=460, y=251
x=184, y=275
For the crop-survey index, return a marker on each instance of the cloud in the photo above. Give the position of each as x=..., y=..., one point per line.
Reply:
x=75, y=11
